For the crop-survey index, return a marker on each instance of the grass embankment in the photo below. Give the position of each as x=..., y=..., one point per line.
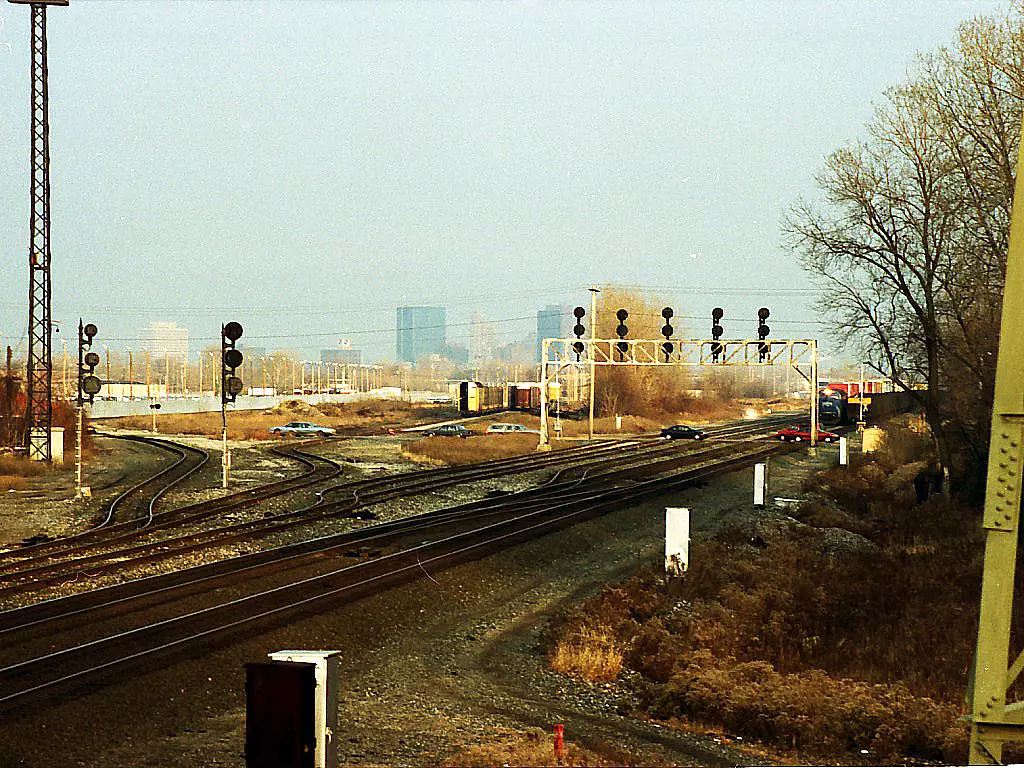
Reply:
x=14, y=471
x=457, y=451
x=370, y=416
x=856, y=652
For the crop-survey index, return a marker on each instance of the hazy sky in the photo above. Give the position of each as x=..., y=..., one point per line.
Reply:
x=304, y=166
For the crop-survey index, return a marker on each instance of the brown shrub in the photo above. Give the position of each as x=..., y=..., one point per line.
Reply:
x=20, y=466
x=810, y=711
x=591, y=653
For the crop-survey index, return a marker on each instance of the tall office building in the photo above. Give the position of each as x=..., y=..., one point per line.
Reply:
x=420, y=331
x=165, y=340
x=552, y=323
x=481, y=339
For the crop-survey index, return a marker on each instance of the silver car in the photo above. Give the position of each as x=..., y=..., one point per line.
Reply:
x=302, y=428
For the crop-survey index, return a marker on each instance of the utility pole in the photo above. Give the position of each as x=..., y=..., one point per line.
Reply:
x=39, y=371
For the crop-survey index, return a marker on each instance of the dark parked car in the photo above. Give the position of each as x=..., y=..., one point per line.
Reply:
x=447, y=430
x=683, y=432
x=798, y=433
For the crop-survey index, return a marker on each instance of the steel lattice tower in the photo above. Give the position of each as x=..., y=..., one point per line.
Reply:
x=39, y=371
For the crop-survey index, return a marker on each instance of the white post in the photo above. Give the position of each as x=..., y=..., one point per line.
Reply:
x=760, y=484
x=78, y=447
x=844, y=456
x=618, y=422
x=677, y=540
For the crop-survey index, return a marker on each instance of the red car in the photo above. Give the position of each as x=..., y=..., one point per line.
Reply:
x=797, y=433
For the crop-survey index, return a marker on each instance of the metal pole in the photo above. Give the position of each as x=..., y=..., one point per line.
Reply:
x=544, y=445
x=131, y=389
x=860, y=423
x=79, y=420
x=225, y=459
x=38, y=369
x=814, y=393
x=590, y=354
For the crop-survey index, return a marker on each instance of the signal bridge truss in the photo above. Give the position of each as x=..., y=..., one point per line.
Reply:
x=558, y=355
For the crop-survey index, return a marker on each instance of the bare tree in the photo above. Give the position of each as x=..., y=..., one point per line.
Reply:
x=910, y=242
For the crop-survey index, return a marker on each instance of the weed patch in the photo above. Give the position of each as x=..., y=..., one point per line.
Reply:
x=457, y=451
x=825, y=652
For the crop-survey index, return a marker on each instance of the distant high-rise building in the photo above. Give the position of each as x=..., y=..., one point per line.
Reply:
x=341, y=355
x=552, y=323
x=165, y=340
x=455, y=353
x=481, y=339
x=420, y=331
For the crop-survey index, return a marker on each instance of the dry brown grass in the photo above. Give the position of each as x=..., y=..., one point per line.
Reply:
x=823, y=652
x=12, y=483
x=458, y=451
x=590, y=653
x=253, y=425
x=18, y=466
x=534, y=748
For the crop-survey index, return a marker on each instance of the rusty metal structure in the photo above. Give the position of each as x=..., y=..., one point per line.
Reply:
x=39, y=370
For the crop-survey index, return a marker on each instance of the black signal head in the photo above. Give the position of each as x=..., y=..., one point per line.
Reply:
x=233, y=331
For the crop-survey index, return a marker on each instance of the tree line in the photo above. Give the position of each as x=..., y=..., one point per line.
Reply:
x=909, y=235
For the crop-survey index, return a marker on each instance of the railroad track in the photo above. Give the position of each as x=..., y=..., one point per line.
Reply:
x=144, y=496
x=306, y=576
x=316, y=469
x=351, y=501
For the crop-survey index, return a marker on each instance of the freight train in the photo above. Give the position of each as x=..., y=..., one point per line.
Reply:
x=472, y=397
x=839, y=403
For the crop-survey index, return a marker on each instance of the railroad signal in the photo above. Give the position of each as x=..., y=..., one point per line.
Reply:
x=579, y=330
x=231, y=359
x=89, y=384
x=762, y=333
x=621, y=330
x=667, y=330
x=716, y=333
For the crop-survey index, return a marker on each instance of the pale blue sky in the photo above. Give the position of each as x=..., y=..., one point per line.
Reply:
x=304, y=166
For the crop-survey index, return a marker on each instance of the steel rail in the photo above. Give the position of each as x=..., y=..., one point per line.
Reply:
x=182, y=451
x=363, y=494
x=58, y=669
x=315, y=466
x=250, y=564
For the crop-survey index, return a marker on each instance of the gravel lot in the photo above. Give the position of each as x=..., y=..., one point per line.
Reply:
x=450, y=660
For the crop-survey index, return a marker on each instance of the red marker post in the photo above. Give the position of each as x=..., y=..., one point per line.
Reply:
x=559, y=741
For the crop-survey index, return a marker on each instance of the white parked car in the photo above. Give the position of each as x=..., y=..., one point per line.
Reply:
x=501, y=428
